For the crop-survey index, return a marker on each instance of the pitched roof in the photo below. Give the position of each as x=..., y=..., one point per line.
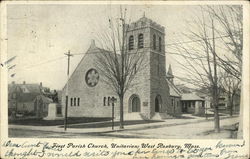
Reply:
x=93, y=49
x=27, y=97
x=44, y=99
x=26, y=88
x=173, y=90
x=190, y=96
x=26, y=92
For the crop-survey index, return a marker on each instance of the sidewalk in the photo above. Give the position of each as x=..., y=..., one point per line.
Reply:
x=166, y=123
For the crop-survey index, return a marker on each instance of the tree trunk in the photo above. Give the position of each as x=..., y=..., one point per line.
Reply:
x=231, y=106
x=240, y=129
x=216, y=115
x=215, y=88
x=121, y=112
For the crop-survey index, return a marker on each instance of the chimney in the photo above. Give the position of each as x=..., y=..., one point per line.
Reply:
x=41, y=84
x=24, y=82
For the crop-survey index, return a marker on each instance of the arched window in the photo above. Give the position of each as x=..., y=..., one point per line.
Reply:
x=154, y=42
x=140, y=41
x=160, y=44
x=131, y=42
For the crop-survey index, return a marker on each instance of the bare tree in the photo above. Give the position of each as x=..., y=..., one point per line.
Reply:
x=230, y=20
x=117, y=64
x=230, y=86
x=214, y=45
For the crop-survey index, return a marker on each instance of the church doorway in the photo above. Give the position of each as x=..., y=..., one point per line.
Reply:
x=158, y=103
x=135, y=105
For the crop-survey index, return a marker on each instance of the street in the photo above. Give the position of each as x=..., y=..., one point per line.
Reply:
x=170, y=129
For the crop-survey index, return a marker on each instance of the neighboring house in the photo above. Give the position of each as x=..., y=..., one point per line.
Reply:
x=226, y=101
x=41, y=104
x=192, y=103
x=23, y=99
x=175, y=94
x=183, y=99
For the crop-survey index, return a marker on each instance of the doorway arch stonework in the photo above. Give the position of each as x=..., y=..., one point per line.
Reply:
x=134, y=104
x=158, y=104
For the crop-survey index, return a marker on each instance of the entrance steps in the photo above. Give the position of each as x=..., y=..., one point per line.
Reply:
x=160, y=116
x=132, y=116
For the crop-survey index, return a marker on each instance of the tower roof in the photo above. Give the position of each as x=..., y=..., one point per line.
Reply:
x=170, y=72
x=145, y=22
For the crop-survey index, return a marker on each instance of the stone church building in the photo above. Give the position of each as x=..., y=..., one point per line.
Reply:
x=89, y=96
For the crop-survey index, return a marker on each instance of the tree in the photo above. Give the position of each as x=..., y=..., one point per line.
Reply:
x=213, y=46
x=230, y=86
x=230, y=20
x=116, y=63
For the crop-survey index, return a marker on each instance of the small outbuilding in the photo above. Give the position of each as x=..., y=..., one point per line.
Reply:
x=192, y=103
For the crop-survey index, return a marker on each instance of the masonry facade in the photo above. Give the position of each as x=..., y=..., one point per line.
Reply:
x=150, y=97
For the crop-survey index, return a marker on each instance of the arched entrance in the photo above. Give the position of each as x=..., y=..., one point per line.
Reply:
x=158, y=103
x=135, y=105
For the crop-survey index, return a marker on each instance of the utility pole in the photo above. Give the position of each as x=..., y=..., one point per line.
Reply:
x=113, y=99
x=67, y=91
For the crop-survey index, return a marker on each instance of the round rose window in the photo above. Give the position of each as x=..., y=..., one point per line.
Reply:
x=92, y=77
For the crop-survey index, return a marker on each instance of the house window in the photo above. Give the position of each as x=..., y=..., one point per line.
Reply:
x=14, y=96
x=154, y=42
x=160, y=44
x=74, y=101
x=193, y=104
x=140, y=41
x=78, y=101
x=172, y=102
x=58, y=110
x=71, y=101
x=131, y=42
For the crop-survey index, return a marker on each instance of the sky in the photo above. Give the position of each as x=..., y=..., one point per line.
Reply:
x=39, y=35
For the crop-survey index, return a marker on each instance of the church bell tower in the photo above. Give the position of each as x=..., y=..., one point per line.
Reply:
x=148, y=37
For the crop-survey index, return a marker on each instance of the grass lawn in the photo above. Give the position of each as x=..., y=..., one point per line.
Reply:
x=41, y=122
x=204, y=115
x=116, y=123
x=225, y=111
